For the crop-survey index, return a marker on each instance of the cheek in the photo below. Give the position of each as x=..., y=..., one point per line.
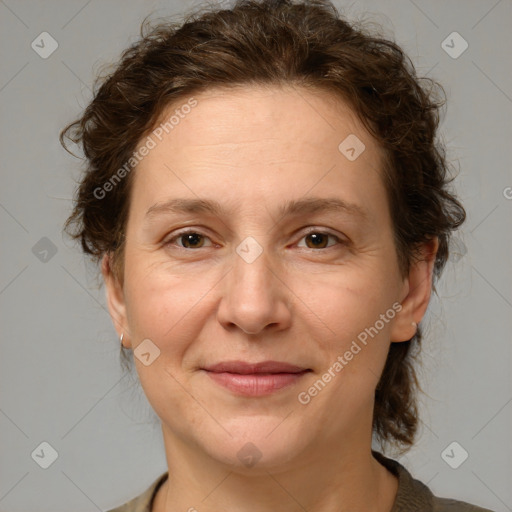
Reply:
x=170, y=305
x=164, y=306
x=165, y=309
x=354, y=312
x=347, y=299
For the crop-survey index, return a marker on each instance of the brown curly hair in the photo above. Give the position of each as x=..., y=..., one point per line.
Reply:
x=307, y=44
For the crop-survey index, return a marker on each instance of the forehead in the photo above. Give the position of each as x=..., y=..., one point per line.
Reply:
x=259, y=141
x=226, y=115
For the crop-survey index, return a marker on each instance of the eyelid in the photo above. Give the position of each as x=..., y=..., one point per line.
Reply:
x=313, y=229
x=323, y=231
x=183, y=232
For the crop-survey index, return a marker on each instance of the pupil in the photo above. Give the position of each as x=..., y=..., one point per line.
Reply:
x=317, y=238
x=192, y=238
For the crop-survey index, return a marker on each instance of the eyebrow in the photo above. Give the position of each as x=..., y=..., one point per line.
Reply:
x=296, y=207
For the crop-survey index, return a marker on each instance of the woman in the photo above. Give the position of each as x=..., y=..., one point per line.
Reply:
x=270, y=208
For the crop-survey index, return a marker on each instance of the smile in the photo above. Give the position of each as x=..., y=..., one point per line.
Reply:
x=256, y=384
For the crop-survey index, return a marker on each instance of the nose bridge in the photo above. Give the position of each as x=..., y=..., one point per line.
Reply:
x=253, y=298
x=252, y=272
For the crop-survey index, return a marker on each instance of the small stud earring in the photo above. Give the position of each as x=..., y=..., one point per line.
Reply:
x=414, y=324
x=121, y=338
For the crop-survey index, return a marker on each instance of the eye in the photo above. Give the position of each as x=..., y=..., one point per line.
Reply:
x=319, y=239
x=191, y=240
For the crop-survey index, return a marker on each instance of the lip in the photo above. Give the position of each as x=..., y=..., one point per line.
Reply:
x=244, y=368
x=255, y=379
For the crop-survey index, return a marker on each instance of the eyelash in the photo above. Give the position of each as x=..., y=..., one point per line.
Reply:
x=196, y=232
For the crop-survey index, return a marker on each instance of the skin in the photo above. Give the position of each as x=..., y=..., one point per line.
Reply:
x=252, y=149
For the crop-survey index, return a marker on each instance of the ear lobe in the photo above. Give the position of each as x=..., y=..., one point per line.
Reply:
x=115, y=298
x=418, y=288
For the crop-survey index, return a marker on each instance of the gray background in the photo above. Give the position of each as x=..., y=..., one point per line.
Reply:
x=60, y=378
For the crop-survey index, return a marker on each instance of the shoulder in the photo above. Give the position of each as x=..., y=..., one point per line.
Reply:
x=144, y=501
x=412, y=495
x=415, y=496
x=449, y=505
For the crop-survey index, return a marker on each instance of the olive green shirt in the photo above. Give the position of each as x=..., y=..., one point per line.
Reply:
x=412, y=495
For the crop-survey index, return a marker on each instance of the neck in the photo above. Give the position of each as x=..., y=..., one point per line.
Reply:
x=340, y=480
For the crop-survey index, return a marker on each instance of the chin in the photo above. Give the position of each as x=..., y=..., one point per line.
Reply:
x=259, y=444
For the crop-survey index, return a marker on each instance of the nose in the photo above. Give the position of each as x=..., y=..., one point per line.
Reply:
x=255, y=297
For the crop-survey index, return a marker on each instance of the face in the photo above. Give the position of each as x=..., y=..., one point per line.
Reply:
x=298, y=267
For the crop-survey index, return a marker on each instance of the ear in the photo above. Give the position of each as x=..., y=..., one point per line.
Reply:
x=416, y=293
x=115, y=299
